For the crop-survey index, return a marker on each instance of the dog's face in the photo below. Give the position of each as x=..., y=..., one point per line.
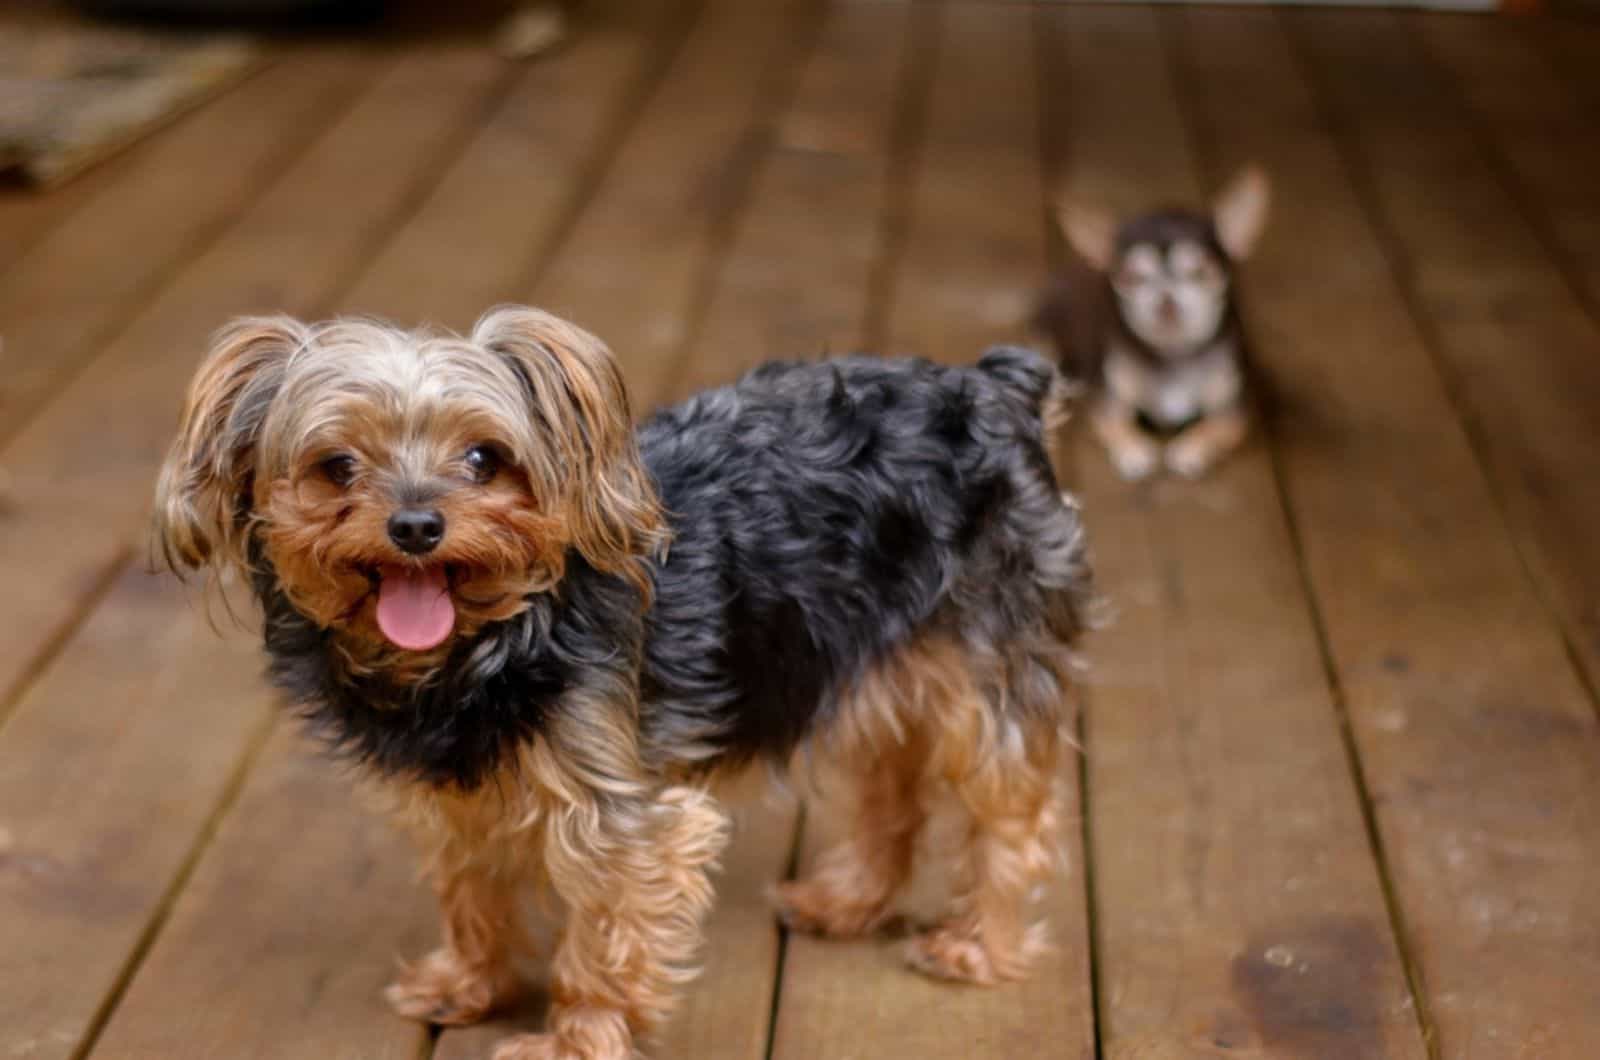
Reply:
x=1172, y=270
x=407, y=487
x=1170, y=280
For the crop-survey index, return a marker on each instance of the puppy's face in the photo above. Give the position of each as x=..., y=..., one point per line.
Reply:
x=1171, y=286
x=1172, y=270
x=407, y=488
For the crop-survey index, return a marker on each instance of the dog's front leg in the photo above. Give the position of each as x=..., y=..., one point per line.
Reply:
x=472, y=973
x=1200, y=447
x=634, y=874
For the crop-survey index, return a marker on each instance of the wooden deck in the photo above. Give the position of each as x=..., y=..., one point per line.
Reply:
x=1340, y=793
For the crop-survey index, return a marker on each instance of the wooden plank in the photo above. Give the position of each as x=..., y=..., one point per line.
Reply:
x=1518, y=349
x=523, y=180
x=725, y=1014
x=268, y=952
x=27, y=215
x=795, y=281
x=973, y=251
x=106, y=779
x=92, y=273
x=1237, y=902
x=671, y=194
x=1475, y=737
x=1570, y=42
x=278, y=982
x=56, y=540
x=1545, y=140
x=77, y=496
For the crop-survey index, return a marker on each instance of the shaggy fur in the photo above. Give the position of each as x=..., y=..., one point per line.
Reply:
x=869, y=559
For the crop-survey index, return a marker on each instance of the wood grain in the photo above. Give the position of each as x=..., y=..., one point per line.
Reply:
x=505, y=204
x=1543, y=137
x=1238, y=906
x=797, y=277
x=109, y=770
x=639, y=257
x=77, y=497
x=282, y=941
x=1476, y=740
x=1518, y=349
x=973, y=250
x=29, y=215
x=89, y=275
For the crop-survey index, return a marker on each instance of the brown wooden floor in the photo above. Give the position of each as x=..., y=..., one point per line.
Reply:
x=1341, y=781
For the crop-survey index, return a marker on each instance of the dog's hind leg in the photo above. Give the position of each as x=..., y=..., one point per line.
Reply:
x=852, y=887
x=1011, y=798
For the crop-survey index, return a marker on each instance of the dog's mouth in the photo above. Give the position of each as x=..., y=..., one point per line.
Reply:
x=415, y=609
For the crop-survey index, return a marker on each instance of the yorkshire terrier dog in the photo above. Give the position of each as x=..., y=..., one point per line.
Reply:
x=1148, y=320
x=546, y=634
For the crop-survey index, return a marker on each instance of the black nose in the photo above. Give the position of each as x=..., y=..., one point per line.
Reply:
x=416, y=531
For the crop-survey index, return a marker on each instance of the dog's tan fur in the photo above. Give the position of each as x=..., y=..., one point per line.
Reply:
x=915, y=727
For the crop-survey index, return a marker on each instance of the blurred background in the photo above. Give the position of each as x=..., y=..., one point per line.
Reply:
x=1339, y=795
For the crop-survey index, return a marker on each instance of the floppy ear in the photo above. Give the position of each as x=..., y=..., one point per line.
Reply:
x=203, y=495
x=1091, y=231
x=1240, y=212
x=610, y=504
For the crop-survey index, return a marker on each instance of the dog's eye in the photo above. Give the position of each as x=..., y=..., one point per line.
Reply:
x=340, y=469
x=482, y=462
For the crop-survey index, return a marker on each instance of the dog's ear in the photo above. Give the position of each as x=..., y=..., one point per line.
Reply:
x=1091, y=231
x=577, y=392
x=1240, y=212
x=203, y=498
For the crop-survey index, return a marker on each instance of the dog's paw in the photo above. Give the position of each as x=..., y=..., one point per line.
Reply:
x=959, y=956
x=1190, y=457
x=437, y=989
x=533, y=1047
x=943, y=954
x=812, y=907
x=1135, y=459
x=555, y=1047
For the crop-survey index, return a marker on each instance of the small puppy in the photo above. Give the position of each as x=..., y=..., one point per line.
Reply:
x=461, y=548
x=1149, y=322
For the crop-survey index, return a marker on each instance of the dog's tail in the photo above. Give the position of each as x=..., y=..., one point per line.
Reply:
x=1032, y=380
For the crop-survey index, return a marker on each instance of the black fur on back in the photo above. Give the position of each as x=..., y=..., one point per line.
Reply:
x=822, y=514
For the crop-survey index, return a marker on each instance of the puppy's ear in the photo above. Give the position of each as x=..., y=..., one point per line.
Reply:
x=203, y=495
x=1240, y=212
x=1091, y=231
x=576, y=390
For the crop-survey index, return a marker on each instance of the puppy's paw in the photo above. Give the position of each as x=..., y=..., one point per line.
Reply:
x=1190, y=457
x=814, y=907
x=439, y=989
x=1135, y=458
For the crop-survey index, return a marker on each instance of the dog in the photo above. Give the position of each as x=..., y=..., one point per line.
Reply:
x=1148, y=321
x=547, y=635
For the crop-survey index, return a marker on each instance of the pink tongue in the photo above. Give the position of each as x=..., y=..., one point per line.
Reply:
x=414, y=608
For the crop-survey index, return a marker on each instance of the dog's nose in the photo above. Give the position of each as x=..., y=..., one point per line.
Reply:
x=416, y=531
